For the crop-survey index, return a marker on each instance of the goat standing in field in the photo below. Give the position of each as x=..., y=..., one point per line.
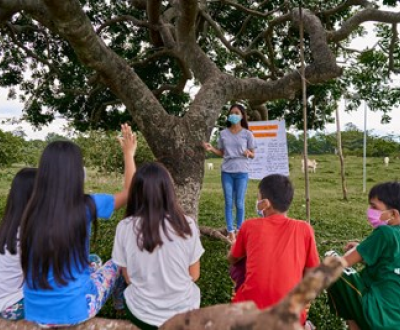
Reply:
x=311, y=164
x=386, y=161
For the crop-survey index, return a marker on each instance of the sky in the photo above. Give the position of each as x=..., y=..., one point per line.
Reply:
x=13, y=109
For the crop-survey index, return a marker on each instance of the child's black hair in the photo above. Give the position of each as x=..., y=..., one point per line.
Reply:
x=278, y=189
x=388, y=193
x=20, y=192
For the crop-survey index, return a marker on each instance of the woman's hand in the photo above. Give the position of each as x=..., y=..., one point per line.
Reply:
x=128, y=141
x=248, y=153
x=207, y=146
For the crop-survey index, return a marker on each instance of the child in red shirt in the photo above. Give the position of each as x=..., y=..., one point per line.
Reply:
x=278, y=250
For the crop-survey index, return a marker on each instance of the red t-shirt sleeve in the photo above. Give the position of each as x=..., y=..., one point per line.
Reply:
x=312, y=252
x=238, y=249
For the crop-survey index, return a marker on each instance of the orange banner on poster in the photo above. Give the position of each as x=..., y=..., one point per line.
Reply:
x=265, y=134
x=263, y=128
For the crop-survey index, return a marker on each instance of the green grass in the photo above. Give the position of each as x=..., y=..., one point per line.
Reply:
x=334, y=220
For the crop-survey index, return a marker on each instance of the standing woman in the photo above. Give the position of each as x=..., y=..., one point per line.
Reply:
x=236, y=145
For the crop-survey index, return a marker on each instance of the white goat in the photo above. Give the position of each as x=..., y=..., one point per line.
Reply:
x=311, y=164
x=386, y=161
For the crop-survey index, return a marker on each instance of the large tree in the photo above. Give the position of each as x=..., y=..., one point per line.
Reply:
x=100, y=62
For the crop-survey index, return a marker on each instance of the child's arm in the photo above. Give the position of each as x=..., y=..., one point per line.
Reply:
x=231, y=259
x=352, y=257
x=128, y=144
x=125, y=275
x=194, y=271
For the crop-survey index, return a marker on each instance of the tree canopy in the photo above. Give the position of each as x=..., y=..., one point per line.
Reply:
x=99, y=63
x=244, y=39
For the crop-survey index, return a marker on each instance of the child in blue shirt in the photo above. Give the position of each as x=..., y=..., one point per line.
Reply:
x=60, y=289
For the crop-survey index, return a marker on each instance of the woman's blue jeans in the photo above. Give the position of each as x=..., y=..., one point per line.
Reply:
x=234, y=186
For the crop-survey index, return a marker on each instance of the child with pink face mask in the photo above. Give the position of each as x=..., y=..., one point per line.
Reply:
x=371, y=299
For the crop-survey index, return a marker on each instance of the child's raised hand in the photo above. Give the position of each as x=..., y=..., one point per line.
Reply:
x=128, y=140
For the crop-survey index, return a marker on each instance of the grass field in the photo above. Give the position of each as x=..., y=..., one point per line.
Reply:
x=335, y=221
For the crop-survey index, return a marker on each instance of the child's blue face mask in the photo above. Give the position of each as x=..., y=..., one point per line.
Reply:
x=234, y=119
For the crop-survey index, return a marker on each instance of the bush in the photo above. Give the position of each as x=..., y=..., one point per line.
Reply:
x=10, y=149
x=101, y=150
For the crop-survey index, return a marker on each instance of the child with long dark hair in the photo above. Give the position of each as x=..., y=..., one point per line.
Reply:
x=158, y=249
x=11, y=295
x=60, y=289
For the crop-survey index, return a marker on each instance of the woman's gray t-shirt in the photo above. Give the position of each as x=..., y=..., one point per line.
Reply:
x=233, y=146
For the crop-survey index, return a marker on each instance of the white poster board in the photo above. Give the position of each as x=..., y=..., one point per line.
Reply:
x=271, y=154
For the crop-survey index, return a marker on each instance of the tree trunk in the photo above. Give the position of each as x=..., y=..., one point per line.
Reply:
x=178, y=146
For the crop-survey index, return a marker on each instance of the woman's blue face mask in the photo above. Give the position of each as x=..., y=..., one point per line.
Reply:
x=234, y=119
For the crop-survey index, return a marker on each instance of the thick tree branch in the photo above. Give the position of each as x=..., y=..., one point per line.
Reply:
x=267, y=34
x=353, y=50
x=245, y=316
x=10, y=7
x=221, y=35
x=202, y=66
x=251, y=12
x=93, y=324
x=123, y=18
x=393, y=43
x=75, y=27
x=12, y=34
x=322, y=69
x=139, y=4
x=361, y=17
x=153, y=13
x=344, y=5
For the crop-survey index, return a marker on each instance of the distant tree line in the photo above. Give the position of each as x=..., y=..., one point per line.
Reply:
x=352, y=143
x=101, y=150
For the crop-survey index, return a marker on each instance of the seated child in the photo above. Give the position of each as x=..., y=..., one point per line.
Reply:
x=158, y=249
x=61, y=287
x=11, y=277
x=278, y=250
x=369, y=300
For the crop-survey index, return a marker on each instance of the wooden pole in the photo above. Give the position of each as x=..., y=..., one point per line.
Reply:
x=304, y=94
x=340, y=154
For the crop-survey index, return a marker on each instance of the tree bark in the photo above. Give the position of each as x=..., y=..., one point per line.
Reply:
x=93, y=324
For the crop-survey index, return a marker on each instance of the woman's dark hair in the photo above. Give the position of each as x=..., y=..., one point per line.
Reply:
x=388, y=193
x=55, y=225
x=152, y=199
x=20, y=192
x=243, y=122
x=278, y=190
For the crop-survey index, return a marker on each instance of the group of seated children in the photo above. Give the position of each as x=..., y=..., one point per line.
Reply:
x=46, y=275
